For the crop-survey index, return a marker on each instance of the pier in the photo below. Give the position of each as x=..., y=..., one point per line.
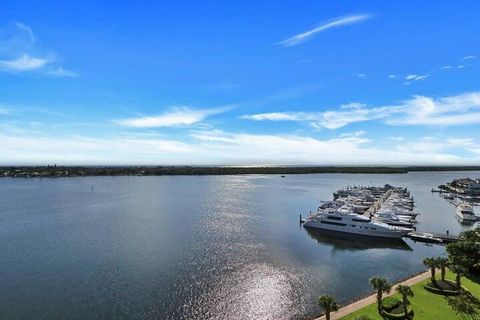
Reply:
x=377, y=204
x=432, y=237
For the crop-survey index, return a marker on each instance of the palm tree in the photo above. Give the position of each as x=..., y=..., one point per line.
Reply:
x=406, y=292
x=465, y=305
x=328, y=304
x=459, y=272
x=432, y=264
x=442, y=263
x=381, y=285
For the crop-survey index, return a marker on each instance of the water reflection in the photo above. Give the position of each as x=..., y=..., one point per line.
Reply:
x=348, y=242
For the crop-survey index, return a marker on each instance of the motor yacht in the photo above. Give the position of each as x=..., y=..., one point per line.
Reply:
x=349, y=222
x=465, y=212
x=392, y=219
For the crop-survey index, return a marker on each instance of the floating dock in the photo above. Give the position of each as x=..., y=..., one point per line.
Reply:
x=432, y=237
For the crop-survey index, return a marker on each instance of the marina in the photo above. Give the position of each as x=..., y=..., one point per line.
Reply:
x=460, y=190
x=385, y=212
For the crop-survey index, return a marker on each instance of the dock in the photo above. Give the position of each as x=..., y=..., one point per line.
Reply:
x=432, y=237
x=378, y=204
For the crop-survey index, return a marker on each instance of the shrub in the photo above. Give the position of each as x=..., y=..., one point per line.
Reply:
x=399, y=316
x=429, y=287
x=390, y=303
x=362, y=317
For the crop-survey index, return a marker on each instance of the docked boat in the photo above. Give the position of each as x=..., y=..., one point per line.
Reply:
x=349, y=222
x=465, y=212
x=392, y=219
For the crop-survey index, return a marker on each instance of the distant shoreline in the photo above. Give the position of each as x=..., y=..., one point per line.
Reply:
x=89, y=171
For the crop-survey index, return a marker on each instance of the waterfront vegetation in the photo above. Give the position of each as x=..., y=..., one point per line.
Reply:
x=454, y=296
x=426, y=305
x=328, y=304
x=79, y=171
x=380, y=285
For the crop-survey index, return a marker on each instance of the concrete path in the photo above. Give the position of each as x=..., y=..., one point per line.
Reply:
x=342, y=312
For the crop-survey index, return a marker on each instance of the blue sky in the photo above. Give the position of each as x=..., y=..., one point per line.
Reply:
x=240, y=82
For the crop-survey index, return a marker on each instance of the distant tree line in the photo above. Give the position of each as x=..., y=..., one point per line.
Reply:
x=62, y=171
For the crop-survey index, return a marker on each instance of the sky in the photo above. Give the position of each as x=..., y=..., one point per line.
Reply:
x=239, y=83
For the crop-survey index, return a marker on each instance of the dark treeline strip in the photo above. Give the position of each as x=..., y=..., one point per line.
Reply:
x=75, y=171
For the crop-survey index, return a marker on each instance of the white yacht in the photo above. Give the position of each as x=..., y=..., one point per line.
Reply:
x=465, y=212
x=349, y=222
x=392, y=219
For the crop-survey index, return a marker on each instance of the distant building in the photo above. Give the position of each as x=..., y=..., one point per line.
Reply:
x=467, y=186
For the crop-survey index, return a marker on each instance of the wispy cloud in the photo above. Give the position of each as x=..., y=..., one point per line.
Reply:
x=420, y=110
x=178, y=116
x=415, y=77
x=23, y=63
x=344, y=149
x=447, y=111
x=410, y=78
x=280, y=116
x=350, y=113
x=338, y=22
x=61, y=72
x=435, y=145
x=20, y=53
x=38, y=148
x=216, y=147
x=396, y=138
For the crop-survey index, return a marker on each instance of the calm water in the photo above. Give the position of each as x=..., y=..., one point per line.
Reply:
x=217, y=247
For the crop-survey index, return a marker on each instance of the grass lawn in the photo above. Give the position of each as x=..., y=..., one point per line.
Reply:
x=426, y=305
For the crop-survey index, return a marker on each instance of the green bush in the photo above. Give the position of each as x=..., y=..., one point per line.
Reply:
x=362, y=317
x=399, y=316
x=390, y=303
x=436, y=290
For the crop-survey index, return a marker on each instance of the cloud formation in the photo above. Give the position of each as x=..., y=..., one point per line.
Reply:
x=23, y=63
x=419, y=110
x=20, y=53
x=341, y=21
x=216, y=147
x=178, y=116
x=416, y=77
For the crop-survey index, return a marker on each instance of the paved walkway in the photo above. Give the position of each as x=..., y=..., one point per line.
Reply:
x=373, y=298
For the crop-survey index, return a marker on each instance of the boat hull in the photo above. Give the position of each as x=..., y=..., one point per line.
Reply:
x=350, y=230
x=466, y=217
